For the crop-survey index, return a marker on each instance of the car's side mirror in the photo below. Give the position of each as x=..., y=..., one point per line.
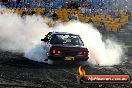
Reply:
x=42, y=39
x=45, y=40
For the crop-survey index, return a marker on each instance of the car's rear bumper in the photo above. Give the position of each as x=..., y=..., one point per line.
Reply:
x=63, y=58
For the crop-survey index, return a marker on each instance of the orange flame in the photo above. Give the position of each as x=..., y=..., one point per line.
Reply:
x=82, y=71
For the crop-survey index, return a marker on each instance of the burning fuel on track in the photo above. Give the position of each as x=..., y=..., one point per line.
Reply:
x=22, y=35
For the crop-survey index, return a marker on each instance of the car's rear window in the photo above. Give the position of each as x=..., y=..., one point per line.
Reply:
x=66, y=39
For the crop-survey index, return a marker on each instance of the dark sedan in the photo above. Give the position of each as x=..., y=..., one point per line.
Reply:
x=65, y=47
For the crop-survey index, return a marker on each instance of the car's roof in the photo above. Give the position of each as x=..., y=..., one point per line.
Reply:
x=64, y=33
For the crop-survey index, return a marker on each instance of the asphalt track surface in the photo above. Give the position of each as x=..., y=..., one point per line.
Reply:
x=19, y=72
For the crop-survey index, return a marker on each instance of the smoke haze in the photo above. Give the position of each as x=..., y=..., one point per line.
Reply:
x=20, y=35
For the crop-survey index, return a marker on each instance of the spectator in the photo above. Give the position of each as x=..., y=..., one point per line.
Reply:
x=54, y=16
x=32, y=12
x=69, y=16
x=76, y=5
x=128, y=13
x=71, y=4
x=18, y=1
x=101, y=26
x=48, y=13
x=1, y=3
x=90, y=20
x=73, y=16
x=82, y=9
x=24, y=13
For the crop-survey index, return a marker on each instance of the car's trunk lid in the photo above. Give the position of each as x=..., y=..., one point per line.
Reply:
x=69, y=50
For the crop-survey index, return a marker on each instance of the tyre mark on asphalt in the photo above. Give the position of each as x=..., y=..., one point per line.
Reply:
x=48, y=73
x=67, y=83
x=11, y=85
x=75, y=83
x=71, y=73
x=24, y=81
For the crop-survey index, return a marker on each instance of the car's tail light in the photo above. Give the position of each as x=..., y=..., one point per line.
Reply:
x=83, y=53
x=54, y=51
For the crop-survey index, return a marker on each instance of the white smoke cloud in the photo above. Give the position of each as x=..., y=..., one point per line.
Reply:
x=37, y=53
x=106, y=52
x=19, y=34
